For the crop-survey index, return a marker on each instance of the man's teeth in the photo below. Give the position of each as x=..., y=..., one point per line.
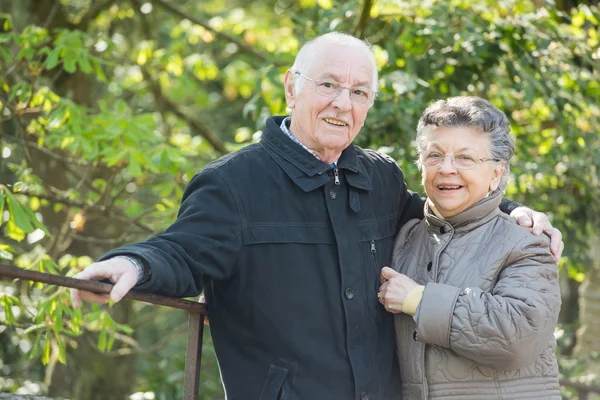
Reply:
x=335, y=122
x=449, y=187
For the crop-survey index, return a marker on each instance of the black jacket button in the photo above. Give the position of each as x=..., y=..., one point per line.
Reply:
x=332, y=194
x=349, y=293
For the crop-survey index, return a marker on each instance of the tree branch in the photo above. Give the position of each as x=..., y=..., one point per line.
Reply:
x=361, y=23
x=102, y=241
x=93, y=13
x=48, y=152
x=85, y=206
x=166, y=105
x=192, y=121
x=244, y=47
x=198, y=126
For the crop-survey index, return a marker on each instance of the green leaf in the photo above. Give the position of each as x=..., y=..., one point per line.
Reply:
x=76, y=319
x=36, y=346
x=62, y=355
x=111, y=340
x=47, y=265
x=17, y=214
x=134, y=167
x=102, y=340
x=7, y=302
x=84, y=64
x=57, y=320
x=98, y=70
x=14, y=232
x=46, y=352
x=124, y=328
x=2, y=198
x=52, y=59
x=36, y=222
x=4, y=251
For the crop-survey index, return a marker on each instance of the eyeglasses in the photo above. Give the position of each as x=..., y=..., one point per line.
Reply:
x=330, y=88
x=461, y=161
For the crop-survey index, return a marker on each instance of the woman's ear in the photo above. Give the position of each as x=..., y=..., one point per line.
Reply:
x=497, y=177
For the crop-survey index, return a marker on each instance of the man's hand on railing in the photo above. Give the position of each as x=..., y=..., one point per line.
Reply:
x=120, y=271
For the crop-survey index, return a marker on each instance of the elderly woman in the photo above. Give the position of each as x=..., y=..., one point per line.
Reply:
x=476, y=296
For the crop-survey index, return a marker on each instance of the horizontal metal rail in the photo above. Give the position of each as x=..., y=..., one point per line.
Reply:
x=196, y=314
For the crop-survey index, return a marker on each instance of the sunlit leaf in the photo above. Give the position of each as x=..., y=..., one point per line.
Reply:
x=62, y=355
x=17, y=213
x=102, y=340
x=46, y=351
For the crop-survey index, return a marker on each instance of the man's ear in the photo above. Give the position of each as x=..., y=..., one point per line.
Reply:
x=290, y=90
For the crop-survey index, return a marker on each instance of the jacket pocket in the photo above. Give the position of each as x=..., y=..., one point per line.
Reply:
x=279, y=382
x=260, y=233
x=377, y=237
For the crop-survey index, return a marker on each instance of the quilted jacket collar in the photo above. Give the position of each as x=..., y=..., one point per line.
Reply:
x=474, y=216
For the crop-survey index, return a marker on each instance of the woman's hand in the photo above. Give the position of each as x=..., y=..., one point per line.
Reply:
x=393, y=290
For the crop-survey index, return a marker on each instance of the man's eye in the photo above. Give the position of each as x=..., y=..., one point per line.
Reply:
x=360, y=92
x=434, y=156
x=329, y=85
x=466, y=158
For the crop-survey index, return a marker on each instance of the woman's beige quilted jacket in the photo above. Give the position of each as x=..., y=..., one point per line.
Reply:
x=484, y=327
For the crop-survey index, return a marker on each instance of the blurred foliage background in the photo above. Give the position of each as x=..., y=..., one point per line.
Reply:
x=108, y=107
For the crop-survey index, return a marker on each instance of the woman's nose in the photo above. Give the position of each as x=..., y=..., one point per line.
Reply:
x=447, y=166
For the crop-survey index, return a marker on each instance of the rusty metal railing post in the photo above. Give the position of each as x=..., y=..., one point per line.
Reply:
x=193, y=356
x=196, y=313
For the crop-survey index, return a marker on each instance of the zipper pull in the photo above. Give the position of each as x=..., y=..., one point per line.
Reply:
x=373, y=249
x=336, y=177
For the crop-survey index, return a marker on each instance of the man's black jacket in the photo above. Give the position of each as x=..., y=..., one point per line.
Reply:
x=289, y=262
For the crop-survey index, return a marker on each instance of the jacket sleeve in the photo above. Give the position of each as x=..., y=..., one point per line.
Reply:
x=506, y=329
x=202, y=243
x=507, y=206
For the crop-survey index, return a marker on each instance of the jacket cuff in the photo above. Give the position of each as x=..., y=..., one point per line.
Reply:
x=436, y=310
x=143, y=271
x=412, y=299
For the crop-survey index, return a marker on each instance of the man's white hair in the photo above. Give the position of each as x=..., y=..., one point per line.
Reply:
x=310, y=51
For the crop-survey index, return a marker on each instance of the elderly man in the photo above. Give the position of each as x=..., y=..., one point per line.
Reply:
x=287, y=238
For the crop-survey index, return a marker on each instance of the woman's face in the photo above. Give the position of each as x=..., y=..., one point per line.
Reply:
x=454, y=190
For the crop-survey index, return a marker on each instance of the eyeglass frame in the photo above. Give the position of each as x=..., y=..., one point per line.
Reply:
x=453, y=161
x=339, y=90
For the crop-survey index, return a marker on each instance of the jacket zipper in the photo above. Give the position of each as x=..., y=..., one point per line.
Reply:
x=336, y=176
x=373, y=251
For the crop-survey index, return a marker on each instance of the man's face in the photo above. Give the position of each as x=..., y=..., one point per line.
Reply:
x=328, y=125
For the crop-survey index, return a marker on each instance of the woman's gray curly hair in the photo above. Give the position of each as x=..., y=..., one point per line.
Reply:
x=470, y=111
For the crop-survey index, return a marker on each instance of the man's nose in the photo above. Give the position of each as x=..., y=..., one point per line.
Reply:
x=343, y=101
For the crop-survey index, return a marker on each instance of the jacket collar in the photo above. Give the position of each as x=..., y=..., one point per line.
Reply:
x=303, y=168
x=471, y=218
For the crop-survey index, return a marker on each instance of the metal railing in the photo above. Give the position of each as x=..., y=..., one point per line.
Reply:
x=196, y=313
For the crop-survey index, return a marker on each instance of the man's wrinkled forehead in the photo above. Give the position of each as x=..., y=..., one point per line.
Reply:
x=340, y=63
